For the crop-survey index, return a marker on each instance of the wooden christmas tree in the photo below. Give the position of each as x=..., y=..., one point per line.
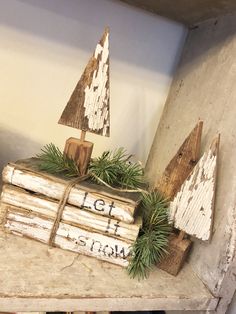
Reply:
x=192, y=208
x=88, y=107
x=169, y=184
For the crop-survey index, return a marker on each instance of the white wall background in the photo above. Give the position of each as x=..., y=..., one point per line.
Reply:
x=44, y=47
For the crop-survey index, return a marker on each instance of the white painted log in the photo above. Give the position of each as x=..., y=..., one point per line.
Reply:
x=99, y=202
x=192, y=208
x=68, y=237
x=71, y=215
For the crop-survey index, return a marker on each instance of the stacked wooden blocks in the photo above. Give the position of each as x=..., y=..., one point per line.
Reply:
x=94, y=221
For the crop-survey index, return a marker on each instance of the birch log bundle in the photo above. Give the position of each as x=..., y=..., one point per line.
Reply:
x=27, y=224
x=94, y=221
x=45, y=207
x=25, y=174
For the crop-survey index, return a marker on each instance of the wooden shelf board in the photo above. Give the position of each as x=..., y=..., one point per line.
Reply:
x=189, y=12
x=35, y=277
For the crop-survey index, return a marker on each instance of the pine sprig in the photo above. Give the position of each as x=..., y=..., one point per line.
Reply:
x=106, y=166
x=116, y=169
x=54, y=161
x=152, y=243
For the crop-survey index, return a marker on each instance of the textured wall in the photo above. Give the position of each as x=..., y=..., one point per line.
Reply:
x=44, y=48
x=205, y=87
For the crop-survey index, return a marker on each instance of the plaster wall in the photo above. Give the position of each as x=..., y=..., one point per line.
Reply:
x=44, y=48
x=204, y=87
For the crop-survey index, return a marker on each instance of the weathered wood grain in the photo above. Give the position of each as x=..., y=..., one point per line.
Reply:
x=80, y=151
x=170, y=182
x=193, y=206
x=25, y=223
x=37, y=277
x=178, y=250
x=88, y=107
x=181, y=164
x=24, y=175
x=45, y=207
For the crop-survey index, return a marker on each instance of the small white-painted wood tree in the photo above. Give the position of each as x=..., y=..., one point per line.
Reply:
x=192, y=208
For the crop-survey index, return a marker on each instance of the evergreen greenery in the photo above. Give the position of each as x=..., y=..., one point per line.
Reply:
x=152, y=242
x=116, y=169
x=54, y=161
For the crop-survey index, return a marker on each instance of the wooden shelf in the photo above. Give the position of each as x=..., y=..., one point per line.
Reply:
x=189, y=12
x=35, y=277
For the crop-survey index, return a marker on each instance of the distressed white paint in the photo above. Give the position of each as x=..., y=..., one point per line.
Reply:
x=96, y=96
x=68, y=237
x=122, y=209
x=192, y=208
x=47, y=207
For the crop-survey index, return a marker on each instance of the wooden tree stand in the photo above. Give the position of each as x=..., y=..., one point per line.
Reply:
x=177, y=254
x=80, y=151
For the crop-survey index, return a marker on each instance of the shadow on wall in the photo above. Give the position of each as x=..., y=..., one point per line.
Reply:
x=220, y=30
x=13, y=146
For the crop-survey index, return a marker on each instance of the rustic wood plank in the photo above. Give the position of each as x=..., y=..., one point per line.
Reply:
x=39, y=278
x=94, y=199
x=24, y=223
x=45, y=207
x=181, y=164
x=80, y=151
x=88, y=107
x=192, y=208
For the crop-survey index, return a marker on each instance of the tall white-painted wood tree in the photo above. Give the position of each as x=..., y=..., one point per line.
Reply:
x=88, y=107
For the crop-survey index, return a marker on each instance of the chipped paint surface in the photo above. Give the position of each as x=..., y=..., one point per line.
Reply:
x=96, y=101
x=192, y=208
x=73, y=215
x=54, y=188
x=68, y=237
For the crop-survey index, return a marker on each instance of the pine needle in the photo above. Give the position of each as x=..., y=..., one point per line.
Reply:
x=152, y=243
x=54, y=161
x=116, y=169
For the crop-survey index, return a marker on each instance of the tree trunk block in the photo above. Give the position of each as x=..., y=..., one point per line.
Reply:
x=178, y=251
x=80, y=151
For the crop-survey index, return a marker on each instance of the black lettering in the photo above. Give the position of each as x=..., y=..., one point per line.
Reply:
x=94, y=243
x=106, y=251
x=123, y=254
x=85, y=196
x=116, y=250
x=111, y=207
x=117, y=225
x=81, y=240
x=102, y=203
x=108, y=225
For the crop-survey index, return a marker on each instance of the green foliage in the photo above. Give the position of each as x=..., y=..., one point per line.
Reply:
x=54, y=161
x=152, y=243
x=113, y=168
x=116, y=169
